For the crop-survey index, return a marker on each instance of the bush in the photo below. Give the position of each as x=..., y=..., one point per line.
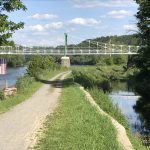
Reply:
x=91, y=79
x=2, y=97
x=23, y=82
x=118, y=60
x=38, y=64
x=105, y=60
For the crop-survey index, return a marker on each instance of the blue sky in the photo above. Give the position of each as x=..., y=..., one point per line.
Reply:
x=46, y=21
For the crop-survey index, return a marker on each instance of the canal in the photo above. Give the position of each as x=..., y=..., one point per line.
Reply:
x=127, y=100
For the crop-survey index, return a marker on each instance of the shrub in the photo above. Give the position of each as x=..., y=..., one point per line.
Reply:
x=23, y=82
x=2, y=97
x=38, y=64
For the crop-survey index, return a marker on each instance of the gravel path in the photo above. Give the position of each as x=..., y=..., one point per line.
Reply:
x=18, y=127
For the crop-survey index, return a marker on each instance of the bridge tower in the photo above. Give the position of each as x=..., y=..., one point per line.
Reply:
x=65, y=61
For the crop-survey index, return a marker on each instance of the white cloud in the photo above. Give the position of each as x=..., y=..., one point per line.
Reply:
x=119, y=14
x=43, y=16
x=85, y=21
x=100, y=3
x=40, y=33
x=54, y=25
x=130, y=27
x=45, y=27
x=38, y=28
x=86, y=4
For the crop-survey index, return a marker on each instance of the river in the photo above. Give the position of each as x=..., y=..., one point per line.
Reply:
x=127, y=100
x=11, y=76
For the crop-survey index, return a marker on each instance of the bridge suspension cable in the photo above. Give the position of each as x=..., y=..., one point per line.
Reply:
x=86, y=47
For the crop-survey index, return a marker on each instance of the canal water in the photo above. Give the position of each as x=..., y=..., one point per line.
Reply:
x=126, y=99
x=11, y=76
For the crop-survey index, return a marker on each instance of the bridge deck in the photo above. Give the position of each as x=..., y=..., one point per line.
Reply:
x=118, y=50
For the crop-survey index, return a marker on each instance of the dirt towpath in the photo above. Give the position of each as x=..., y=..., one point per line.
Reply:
x=19, y=125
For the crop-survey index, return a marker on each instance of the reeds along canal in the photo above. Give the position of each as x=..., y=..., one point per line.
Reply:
x=128, y=101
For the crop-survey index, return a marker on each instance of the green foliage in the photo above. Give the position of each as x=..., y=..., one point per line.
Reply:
x=38, y=64
x=2, y=97
x=105, y=74
x=7, y=27
x=119, y=60
x=143, y=16
x=100, y=76
x=143, y=85
x=106, y=104
x=24, y=82
x=100, y=60
x=87, y=79
x=119, y=40
x=109, y=61
x=16, y=60
x=143, y=59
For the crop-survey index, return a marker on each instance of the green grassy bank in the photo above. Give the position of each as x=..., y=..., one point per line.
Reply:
x=96, y=80
x=77, y=125
x=106, y=104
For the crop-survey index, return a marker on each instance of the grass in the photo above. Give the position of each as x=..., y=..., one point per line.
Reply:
x=76, y=125
x=8, y=103
x=91, y=78
x=106, y=104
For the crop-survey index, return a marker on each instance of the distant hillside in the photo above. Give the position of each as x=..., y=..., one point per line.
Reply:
x=120, y=40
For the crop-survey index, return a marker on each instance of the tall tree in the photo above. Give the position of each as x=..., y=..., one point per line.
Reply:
x=143, y=59
x=7, y=27
x=143, y=16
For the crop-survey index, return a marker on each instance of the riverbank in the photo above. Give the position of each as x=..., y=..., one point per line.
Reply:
x=95, y=79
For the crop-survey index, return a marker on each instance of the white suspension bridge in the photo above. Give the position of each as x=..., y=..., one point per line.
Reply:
x=93, y=48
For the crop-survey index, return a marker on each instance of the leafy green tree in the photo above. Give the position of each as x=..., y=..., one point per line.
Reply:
x=143, y=16
x=38, y=64
x=119, y=60
x=16, y=60
x=143, y=59
x=7, y=27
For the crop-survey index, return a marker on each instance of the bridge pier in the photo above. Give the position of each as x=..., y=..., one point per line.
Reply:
x=65, y=61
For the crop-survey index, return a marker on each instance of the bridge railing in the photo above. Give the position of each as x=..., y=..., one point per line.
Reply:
x=72, y=50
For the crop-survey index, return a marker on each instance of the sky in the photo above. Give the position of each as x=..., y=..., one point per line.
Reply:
x=46, y=21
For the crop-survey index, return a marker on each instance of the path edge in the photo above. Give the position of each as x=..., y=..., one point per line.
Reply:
x=121, y=132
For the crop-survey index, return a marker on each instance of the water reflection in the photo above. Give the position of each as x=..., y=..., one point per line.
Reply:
x=142, y=107
x=11, y=76
x=136, y=111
